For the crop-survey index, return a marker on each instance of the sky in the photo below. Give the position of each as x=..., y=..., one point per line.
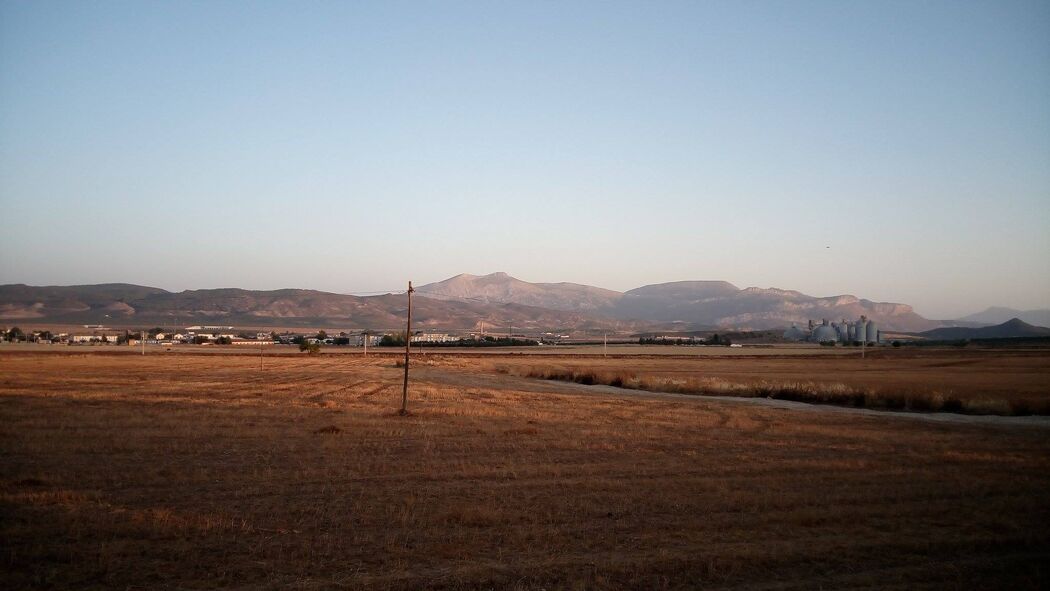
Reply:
x=894, y=150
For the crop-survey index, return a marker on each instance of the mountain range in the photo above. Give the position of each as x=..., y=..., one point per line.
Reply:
x=125, y=304
x=996, y=315
x=461, y=302
x=697, y=304
x=1013, y=328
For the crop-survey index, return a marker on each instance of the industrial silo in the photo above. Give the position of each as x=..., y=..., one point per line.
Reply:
x=873, y=332
x=862, y=330
x=825, y=334
x=843, y=330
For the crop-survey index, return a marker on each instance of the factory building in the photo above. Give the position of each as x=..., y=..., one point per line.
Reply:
x=859, y=331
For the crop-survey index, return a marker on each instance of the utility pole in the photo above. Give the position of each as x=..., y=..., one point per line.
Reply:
x=143, y=335
x=605, y=345
x=408, y=349
x=364, y=338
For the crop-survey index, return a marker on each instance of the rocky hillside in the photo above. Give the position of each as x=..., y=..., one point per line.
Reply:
x=502, y=288
x=693, y=304
x=723, y=305
x=461, y=302
x=121, y=304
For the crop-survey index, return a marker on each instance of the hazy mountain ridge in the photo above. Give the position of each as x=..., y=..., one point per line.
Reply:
x=504, y=289
x=128, y=304
x=710, y=304
x=998, y=315
x=1013, y=328
x=464, y=302
x=694, y=290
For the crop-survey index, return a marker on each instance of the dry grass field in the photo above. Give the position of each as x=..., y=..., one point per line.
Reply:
x=205, y=471
x=993, y=382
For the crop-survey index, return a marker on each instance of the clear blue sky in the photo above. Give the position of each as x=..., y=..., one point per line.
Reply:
x=350, y=146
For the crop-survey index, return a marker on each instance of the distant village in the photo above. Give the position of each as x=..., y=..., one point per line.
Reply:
x=228, y=335
x=96, y=334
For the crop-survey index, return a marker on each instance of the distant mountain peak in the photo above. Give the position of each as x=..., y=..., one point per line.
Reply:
x=1000, y=314
x=1013, y=328
x=693, y=290
x=500, y=287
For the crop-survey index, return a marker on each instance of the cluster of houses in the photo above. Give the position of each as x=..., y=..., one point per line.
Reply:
x=204, y=335
x=372, y=339
x=114, y=337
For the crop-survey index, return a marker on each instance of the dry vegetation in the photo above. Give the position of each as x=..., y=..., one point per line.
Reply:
x=970, y=382
x=181, y=471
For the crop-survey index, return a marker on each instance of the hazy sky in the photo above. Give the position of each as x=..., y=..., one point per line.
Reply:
x=898, y=151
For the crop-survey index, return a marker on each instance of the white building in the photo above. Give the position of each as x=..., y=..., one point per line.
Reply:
x=432, y=337
x=373, y=340
x=93, y=338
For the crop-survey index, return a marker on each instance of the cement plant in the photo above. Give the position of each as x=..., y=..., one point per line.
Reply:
x=859, y=331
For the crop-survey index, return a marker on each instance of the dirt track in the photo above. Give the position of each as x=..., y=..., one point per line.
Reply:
x=476, y=380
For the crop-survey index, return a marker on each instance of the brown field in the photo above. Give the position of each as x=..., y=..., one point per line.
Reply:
x=777, y=350
x=957, y=380
x=205, y=471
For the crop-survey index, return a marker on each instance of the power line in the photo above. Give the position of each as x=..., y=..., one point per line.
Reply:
x=458, y=297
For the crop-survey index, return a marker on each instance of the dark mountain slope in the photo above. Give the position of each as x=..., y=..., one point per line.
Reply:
x=130, y=304
x=997, y=315
x=1012, y=328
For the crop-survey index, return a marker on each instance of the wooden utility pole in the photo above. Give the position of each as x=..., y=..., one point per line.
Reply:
x=364, y=339
x=605, y=345
x=408, y=349
x=143, y=335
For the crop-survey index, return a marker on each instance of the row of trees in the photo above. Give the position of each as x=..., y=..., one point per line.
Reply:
x=13, y=334
x=714, y=339
x=388, y=340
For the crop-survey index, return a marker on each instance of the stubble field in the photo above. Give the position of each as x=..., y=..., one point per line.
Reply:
x=184, y=471
x=970, y=381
